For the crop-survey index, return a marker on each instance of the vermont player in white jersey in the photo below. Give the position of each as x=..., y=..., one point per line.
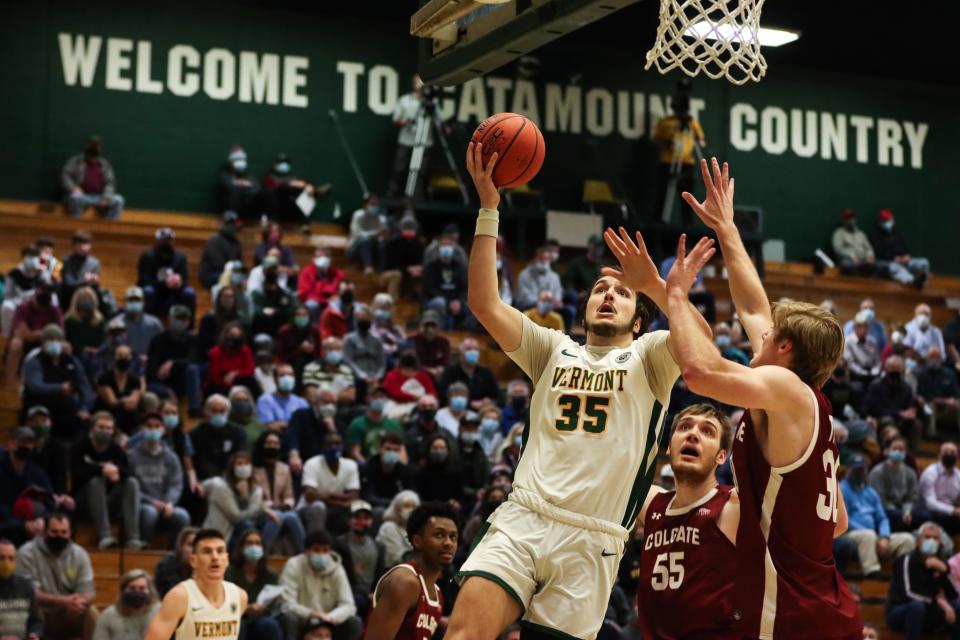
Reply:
x=550, y=553
x=205, y=607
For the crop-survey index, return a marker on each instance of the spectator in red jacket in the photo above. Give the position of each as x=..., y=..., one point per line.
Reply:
x=319, y=281
x=408, y=382
x=231, y=362
x=337, y=319
x=298, y=342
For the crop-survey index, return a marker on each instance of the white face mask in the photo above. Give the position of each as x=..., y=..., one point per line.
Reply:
x=243, y=471
x=923, y=320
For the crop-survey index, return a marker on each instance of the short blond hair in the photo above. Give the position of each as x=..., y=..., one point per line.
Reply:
x=816, y=336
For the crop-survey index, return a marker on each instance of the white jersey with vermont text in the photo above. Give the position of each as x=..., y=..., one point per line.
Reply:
x=595, y=419
x=204, y=621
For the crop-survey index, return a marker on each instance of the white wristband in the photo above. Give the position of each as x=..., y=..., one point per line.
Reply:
x=488, y=223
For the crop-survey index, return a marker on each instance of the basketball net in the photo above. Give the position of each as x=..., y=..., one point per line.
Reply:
x=718, y=37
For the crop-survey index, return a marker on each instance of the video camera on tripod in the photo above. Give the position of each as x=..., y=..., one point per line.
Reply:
x=429, y=119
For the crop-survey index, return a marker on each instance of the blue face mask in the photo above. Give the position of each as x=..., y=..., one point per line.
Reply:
x=319, y=561
x=381, y=314
x=134, y=306
x=471, y=356
x=896, y=455
x=544, y=308
x=152, y=435
x=377, y=406
x=518, y=441
x=489, y=426
x=286, y=383
x=446, y=251
x=218, y=420
x=887, y=225
x=282, y=167
x=929, y=546
x=722, y=341
x=333, y=357
x=869, y=314
x=390, y=457
x=470, y=436
x=171, y=420
x=53, y=348
x=332, y=454
x=239, y=166
x=458, y=403
x=253, y=553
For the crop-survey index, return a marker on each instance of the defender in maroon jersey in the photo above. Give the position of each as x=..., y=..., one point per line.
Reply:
x=687, y=567
x=784, y=462
x=407, y=604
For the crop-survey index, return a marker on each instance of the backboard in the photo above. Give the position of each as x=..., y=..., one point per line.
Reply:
x=464, y=39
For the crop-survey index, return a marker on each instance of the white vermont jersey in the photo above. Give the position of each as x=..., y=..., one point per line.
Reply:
x=596, y=416
x=203, y=620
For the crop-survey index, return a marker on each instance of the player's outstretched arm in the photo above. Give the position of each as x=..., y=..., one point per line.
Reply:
x=638, y=272
x=171, y=612
x=716, y=211
x=704, y=370
x=502, y=322
x=394, y=598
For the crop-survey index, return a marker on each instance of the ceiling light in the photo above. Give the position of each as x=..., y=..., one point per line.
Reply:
x=768, y=36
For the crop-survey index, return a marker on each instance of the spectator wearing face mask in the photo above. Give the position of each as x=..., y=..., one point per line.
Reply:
x=892, y=252
x=268, y=263
x=319, y=281
x=163, y=275
x=445, y=286
x=439, y=478
x=215, y=439
x=449, y=236
x=337, y=319
x=403, y=260
x=308, y=429
x=20, y=283
x=474, y=466
x=368, y=227
x=366, y=431
x=393, y=531
x=385, y=474
x=56, y=380
x=62, y=577
x=938, y=391
x=328, y=370
x=315, y=586
x=539, y=276
x=422, y=426
x=213, y=323
x=432, y=347
x=481, y=383
x=235, y=502
x=119, y=392
x=234, y=277
x=875, y=326
x=104, y=484
x=281, y=187
x=243, y=413
x=517, y=408
x=491, y=498
x=80, y=268
x=852, y=248
x=158, y=471
x=18, y=601
x=363, y=557
x=231, y=362
x=940, y=488
x=724, y=342
x=330, y=483
x=921, y=334
x=869, y=527
x=362, y=352
x=172, y=359
x=898, y=488
x=891, y=397
x=490, y=436
x=298, y=342
x=129, y=617
x=273, y=304
x=543, y=313
x=29, y=319
x=274, y=409
x=279, y=519
x=221, y=248
x=88, y=180
x=141, y=327
x=238, y=191
x=249, y=570
x=450, y=417
x=85, y=327
x=584, y=270
x=384, y=329
x=509, y=453
x=922, y=598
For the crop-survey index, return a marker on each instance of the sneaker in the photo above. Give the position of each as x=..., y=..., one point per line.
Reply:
x=136, y=545
x=367, y=271
x=920, y=280
x=107, y=543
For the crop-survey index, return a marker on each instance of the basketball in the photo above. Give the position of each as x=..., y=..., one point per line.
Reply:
x=519, y=145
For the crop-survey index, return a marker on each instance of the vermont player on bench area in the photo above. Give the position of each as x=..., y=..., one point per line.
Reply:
x=550, y=553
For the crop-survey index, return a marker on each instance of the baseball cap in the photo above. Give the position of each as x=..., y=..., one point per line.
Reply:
x=179, y=311
x=37, y=409
x=165, y=233
x=430, y=317
x=23, y=433
x=52, y=332
x=886, y=214
x=451, y=230
x=117, y=324
x=501, y=470
x=360, y=505
x=230, y=216
x=856, y=461
x=133, y=293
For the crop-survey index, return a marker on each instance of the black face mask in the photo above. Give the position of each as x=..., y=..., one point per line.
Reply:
x=346, y=298
x=519, y=403
x=363, y=326
x=122, y=364
x=271, y=277
x=234, y=343
x=427, y=415
x=135, y=599
x=56, y=544
x=949, y=460
x=23, y=454
x=271, y=454
x=93, y=151
x=894, y=377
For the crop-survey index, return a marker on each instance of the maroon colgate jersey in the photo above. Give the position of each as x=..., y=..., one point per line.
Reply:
x=787, y=582
x=421, y=621
x=687, y=570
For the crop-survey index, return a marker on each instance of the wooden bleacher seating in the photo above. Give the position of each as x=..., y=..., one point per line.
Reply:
x=118, y=245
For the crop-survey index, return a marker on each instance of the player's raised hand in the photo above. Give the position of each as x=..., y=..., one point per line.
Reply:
x=483, y=175
x=684, y=271
x=637, y=270
x=717, y=208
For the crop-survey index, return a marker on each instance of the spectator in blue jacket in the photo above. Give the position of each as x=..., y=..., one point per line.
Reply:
x=275, y=409
x=869, y=527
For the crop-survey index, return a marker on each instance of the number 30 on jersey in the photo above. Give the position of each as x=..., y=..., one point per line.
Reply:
x=829, y=503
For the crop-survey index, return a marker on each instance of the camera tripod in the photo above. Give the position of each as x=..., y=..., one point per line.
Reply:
x=428, y=119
